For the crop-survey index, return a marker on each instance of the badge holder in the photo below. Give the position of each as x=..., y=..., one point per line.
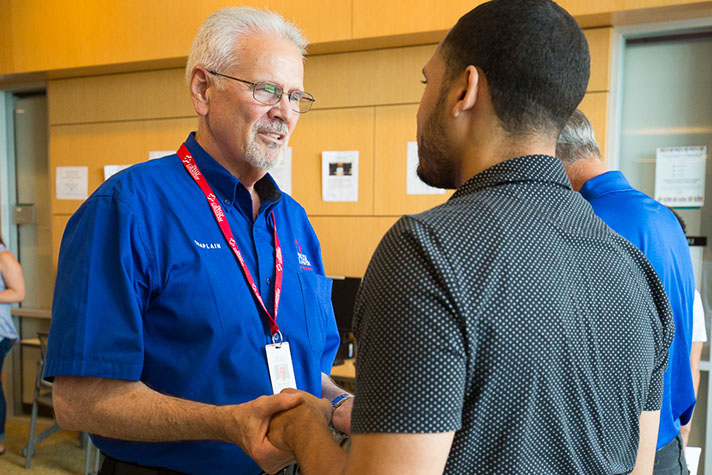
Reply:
x=279, y=361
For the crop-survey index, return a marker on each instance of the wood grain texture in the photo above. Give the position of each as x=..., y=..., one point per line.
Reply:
x=595, y=106
x=365, y=78
x=332, y=130
x=110, y=143
x=49, y=35
x=132, y=96
x=395, y=127
x=347, y=243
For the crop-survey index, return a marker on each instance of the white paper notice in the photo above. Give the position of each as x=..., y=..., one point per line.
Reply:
x=680, y=176
x=112, y=169
x=159, y=154
x=72, y=183
x=339, y=176
x=282, y=172
x=414, y=185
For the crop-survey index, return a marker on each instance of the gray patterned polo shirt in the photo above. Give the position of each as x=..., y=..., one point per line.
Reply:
x=514, y=316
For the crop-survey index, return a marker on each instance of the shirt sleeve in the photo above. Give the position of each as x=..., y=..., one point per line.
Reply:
x=663, y=333
x=699, y=331
x=411, y=358
x=100, y=294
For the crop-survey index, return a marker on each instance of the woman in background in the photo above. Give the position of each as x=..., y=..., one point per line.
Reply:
x=12, y=290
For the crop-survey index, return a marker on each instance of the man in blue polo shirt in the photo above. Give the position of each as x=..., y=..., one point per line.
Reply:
x=190, y=289
x=654, y=229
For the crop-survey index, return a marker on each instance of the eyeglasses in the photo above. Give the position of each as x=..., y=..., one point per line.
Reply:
x=270, y=94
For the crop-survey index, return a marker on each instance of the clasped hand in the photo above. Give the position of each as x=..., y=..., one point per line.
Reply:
x=311, y=412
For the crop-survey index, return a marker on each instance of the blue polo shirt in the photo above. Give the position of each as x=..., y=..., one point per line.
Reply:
x=148, y=290
x=655, y=230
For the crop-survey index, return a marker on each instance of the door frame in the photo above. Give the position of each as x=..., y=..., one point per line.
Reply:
x=621, y=35
x=8, y=199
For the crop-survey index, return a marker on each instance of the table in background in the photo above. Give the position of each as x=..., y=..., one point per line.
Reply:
x=345, y=374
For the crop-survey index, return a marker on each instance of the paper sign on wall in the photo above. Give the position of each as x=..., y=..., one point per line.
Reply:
x=153, y=154
x=414, y=185
x=282, y=172
x=339, y=176
x=72, y=183
x=680, y=176
x=113, y=169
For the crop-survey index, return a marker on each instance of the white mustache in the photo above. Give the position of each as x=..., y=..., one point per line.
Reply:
x=276, y=127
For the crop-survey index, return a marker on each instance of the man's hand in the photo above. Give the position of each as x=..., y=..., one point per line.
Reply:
x=341, y=420
x=249, y=424
x=312, y=410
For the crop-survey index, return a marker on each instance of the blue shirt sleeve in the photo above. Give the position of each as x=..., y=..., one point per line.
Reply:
x=101, y=290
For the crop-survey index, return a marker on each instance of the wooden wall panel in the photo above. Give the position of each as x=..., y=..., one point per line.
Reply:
x=587, y=7
x=347, y=243
x=378, y=18
x=55, y=35
x=599, y=45
x=131, y=96
x=377, y=77
x=392, y=76
x=395, y=126
x=110, y=143
x=595, y=106
x=367, y=101
x=340, y=129
x=59, y=222
x=39, y=35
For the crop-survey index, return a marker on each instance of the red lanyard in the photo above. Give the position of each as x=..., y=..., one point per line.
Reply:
x=194, y=172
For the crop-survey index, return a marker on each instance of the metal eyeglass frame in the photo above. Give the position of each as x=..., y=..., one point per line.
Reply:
x=302, y=98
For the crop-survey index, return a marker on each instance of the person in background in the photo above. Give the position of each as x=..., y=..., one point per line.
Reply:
x=508, y=330
x=655, y=230
x=185, y=283
x=12, y=290
x=699, y=337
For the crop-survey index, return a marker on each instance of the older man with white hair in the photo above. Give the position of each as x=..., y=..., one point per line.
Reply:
x=190, y=290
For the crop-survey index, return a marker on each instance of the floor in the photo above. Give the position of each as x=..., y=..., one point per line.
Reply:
x=60, y=454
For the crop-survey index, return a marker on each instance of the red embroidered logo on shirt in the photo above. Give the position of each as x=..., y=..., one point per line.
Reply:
x=303, y=259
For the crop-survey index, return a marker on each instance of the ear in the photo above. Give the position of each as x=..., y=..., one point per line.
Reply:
x=466, y=87
x=200, y=83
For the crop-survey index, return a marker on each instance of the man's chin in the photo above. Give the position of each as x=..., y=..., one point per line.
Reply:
x=436, y=180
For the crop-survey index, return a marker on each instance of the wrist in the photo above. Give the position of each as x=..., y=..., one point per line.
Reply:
x=229, y=424
x=336, y=403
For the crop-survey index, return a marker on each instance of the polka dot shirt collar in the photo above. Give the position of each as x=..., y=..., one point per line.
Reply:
x=544, y=168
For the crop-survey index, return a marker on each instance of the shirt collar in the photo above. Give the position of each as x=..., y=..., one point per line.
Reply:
x=604, y=183
x=528, y=168
x=224, y=183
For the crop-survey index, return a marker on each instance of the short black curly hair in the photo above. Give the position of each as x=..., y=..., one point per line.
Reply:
x=534, y=56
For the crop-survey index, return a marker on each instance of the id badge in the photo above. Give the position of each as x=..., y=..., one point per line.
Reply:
x=281, y=371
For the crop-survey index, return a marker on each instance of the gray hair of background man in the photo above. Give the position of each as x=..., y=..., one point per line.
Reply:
x=577, y=140
x=214, y=44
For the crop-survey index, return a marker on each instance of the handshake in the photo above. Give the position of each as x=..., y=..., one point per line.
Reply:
x=292, y=423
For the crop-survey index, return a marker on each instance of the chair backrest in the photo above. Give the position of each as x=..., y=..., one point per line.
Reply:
x=42, y=337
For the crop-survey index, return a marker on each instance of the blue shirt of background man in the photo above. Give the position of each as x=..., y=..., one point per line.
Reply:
x=655, y=230
x=147, y=289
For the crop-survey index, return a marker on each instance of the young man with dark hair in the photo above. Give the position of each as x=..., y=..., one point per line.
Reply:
x=508, y=330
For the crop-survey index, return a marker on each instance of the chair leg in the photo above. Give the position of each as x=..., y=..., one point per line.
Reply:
x=97, y=460
x=87, y=456
x=29, y=450
x=91, y=464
